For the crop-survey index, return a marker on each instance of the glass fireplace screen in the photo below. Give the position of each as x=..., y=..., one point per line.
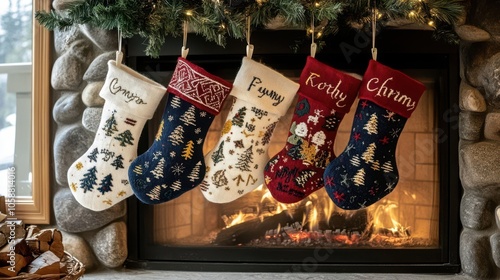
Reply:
x=407, y=218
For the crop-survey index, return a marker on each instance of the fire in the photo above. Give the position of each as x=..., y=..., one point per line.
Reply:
x=385, y=221
x=317, y=220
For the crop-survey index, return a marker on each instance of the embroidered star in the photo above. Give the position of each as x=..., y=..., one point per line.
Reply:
x=384, y=140
x=73, y=187
x=197, y=131
x=329, y=182
x=339, y=196
x=79, y=166
x=357, y=136
x=203, y=114
x=122, y=193
x=364, y=104
x=170, y=118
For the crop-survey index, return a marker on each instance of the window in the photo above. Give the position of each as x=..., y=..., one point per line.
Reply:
x=24, y=109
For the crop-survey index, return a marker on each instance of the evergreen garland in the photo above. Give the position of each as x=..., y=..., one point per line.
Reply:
x=216, y=20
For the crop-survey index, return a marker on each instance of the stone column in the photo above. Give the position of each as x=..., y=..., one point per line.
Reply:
x=480, y=140
x=82, y=52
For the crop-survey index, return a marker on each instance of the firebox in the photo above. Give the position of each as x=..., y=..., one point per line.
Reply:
x=415, y=229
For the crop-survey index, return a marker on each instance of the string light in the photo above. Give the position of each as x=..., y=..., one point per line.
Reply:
x=316, y=4
x=431, y=23
x=189, y=13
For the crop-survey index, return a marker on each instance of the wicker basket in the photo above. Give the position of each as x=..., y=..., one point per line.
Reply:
x=75, y=270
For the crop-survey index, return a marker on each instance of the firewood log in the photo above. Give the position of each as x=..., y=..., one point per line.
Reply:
x=46, y=263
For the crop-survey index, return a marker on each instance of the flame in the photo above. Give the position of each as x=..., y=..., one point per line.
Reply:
x=384, y=219
x=237, y=219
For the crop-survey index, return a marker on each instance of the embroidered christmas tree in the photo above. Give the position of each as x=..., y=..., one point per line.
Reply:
x=238, y=118
x=304, y=177
x=188, y=151
x=160, y=130
x=110, y=125
x=371, y=125
x=355, y=160
x=369, y=154
x=375, y=165
x=176, y=186
x=269, y=132
x=177, y=136
x=387, y=167
x=195, y=173
x=218, y=155
x=359, y=178
x=245, y=159
x=189, y=117
x=106, y=184
x=118, y=162
x=308, y=152
x=93, y=155
x=89, y=180
x=158, y=170
x=125, y=138
x=219, y=178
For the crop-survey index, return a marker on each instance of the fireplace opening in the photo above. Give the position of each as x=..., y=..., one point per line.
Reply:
x=413, y=229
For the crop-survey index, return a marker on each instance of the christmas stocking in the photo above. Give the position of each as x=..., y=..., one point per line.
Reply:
x=174, y=163
x=98, y=179
x=235, y=165
x=325, y=96
x=366, y=170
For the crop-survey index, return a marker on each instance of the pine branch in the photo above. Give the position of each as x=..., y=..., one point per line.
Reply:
x=154, y=20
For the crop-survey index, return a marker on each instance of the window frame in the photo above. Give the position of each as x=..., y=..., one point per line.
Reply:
x=36, y=209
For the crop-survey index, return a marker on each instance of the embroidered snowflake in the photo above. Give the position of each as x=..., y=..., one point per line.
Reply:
x=197, y=131
x=395, y=132
x=389, y=116
x=348, y=149
x=231, y=152
x=199, y=141
x=146, y=164
x=178, y=169
x=172, y=154
x=203, y=114
x=170, y=118
x=156, y=155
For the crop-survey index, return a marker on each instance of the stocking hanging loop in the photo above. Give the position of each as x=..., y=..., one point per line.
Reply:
x=119, y=54
x=374, y=30
x=314, y=47
x=184, y=50
x=249, y=46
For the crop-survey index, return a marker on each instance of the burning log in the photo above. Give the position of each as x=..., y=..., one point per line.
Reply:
x=256, y=228
x=245, y=232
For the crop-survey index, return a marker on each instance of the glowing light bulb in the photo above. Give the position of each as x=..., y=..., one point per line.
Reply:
x=431, y=23
x=316, y=4
x=189, y=13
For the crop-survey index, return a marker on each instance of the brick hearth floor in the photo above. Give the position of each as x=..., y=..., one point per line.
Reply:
x=125, y=274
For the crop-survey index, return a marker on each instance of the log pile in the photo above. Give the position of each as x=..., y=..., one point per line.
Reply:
x=32, y=251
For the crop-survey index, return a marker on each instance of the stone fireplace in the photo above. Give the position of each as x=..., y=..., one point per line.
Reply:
x=100, y=238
